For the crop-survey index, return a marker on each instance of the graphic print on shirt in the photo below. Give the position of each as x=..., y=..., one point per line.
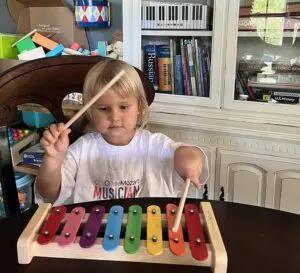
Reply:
x=110, y=187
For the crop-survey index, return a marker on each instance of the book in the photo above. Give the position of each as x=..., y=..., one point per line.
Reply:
x=150, y=64
x=33, y=155
x=164, y=69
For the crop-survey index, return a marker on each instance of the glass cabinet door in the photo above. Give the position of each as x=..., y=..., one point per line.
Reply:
x=263, y=57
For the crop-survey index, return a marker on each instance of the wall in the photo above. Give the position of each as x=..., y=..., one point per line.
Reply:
x=7, y=25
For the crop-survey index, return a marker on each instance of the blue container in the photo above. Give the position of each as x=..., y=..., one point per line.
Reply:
x=24, y=188
x=37, y=119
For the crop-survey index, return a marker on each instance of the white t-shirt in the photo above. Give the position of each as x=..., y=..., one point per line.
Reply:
x=96, y=170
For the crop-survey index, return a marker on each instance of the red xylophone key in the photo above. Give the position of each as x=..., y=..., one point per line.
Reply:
x=51, y=225
x=195, y=231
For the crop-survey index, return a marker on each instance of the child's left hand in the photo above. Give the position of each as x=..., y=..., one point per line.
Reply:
x=189, y=162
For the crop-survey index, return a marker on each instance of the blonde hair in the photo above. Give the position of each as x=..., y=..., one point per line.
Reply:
x=130, y=84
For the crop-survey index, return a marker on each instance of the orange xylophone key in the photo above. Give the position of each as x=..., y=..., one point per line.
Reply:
x=176, y=239
x=195, y=231
x=51, y=225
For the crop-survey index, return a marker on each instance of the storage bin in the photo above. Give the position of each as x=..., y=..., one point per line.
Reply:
x=37, y=119
x=24, y=188
x=6, y=49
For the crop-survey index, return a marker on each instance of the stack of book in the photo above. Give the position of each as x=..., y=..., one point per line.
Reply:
x=280, y=85
x=181, y=67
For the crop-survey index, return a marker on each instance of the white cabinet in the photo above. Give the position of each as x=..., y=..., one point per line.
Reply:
x=260, y=180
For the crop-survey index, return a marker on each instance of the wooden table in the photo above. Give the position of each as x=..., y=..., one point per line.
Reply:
x=256, y=239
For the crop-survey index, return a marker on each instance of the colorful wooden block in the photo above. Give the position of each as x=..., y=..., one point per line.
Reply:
x=102, y=45
x=75, y=46
x=70, y=51
x=33, y=54
x=25, y=45
x=58, y=50
x=44, y=41
x=86, y=52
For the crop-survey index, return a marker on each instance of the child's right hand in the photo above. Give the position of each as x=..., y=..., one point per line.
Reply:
x=55, y=141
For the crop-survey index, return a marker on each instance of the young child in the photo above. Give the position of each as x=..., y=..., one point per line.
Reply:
x=119, y=159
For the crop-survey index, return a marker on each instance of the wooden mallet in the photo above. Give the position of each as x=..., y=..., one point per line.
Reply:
x=180, y=207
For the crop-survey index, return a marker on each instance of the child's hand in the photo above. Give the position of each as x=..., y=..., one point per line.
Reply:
x=189, y=161
x=55, y=141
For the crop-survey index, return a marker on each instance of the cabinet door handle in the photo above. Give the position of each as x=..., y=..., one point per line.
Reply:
x=222, y=194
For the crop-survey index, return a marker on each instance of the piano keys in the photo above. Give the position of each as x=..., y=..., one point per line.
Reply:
x=175, y=16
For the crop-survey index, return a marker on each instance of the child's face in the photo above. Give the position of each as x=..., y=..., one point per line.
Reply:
x=115, y=117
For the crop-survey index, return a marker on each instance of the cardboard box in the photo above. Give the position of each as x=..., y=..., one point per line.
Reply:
x=52, y=17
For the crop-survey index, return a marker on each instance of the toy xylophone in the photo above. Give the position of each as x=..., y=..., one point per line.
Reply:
x=54, y=233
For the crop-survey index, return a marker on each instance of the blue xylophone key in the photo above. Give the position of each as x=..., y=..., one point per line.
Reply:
x=113, y=228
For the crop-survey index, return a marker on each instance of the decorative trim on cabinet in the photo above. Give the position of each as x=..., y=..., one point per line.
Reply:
x=222, y=140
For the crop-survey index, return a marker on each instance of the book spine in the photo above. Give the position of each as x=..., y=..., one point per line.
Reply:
x=285, y=99
x=164, y=69
x=150, y=64
x=172, y=60
x=186, y=72
x=179, y=76
x=191, y=69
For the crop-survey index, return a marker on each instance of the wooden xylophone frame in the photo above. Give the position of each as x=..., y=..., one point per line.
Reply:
x=27, y=246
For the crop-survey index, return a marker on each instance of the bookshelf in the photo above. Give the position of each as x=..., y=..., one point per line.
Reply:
x=211, y=36
x=253, y=147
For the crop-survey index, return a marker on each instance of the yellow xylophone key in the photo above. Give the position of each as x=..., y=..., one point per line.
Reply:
x=154, y=231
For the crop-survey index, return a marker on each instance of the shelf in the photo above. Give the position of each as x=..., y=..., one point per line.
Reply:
x=286, y=34
x=26, y=168
x=275, y=86
x=172, y=32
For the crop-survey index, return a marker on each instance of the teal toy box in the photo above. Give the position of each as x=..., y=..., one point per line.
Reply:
x=37, y=119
